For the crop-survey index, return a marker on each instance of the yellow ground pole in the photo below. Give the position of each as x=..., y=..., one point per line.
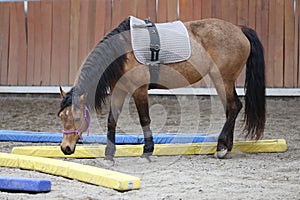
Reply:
x=85, y=173
x=87, y=151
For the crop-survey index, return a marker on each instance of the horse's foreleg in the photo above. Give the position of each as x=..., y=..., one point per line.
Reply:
x=141, y=101
x=111, y=135
x=117, y=98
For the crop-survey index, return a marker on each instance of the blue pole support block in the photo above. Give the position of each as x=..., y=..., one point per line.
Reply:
x=19, y=184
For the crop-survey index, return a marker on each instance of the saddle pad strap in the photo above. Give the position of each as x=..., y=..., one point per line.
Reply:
x=154, y=39
x=154, y=74
x=155, y=48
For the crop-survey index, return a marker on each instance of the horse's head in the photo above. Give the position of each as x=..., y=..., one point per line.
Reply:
x=75, y=118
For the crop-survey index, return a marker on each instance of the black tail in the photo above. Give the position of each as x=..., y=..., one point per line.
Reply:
x=255, y=103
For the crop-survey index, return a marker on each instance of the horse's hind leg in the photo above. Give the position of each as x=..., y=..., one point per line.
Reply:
x=140, y=97
x=232, y=106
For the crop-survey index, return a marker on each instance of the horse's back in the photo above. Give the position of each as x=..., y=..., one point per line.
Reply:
x=216, y=31
x=215, y=44
x=223, y=41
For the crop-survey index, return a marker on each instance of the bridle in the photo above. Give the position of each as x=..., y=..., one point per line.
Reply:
x=87, y=118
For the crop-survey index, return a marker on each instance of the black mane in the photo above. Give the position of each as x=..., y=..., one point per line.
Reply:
x=124, y=26
x=100, y=66
x=113, y=71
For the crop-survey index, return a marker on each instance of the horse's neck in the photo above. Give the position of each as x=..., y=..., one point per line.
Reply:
x=88, y=73
x=97, y=61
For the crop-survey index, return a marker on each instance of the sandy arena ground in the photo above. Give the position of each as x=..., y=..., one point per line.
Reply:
x=240, y=176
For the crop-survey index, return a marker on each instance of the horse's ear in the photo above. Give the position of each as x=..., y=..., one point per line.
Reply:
x=62, y=93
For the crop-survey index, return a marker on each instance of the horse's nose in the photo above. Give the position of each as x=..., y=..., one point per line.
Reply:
x=67, y=150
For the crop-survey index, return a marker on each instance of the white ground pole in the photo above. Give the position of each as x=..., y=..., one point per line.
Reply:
x=275, y=92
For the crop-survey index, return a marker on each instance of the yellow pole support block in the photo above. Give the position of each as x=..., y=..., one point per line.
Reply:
x=85, y=173
x=260, y=146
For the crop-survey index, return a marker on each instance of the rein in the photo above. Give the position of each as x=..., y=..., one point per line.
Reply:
x=87, y=118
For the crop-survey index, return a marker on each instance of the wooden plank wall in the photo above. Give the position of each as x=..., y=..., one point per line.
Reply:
x=58, y=35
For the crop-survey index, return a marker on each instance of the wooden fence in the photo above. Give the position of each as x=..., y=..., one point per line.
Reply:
x=48, y=46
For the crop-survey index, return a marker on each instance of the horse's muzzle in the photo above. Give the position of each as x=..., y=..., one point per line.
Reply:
x=67, y=150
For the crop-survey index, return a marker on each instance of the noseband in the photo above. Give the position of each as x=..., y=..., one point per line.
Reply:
x=87, y=118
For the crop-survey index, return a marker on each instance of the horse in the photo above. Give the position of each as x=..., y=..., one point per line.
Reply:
x=219, y=49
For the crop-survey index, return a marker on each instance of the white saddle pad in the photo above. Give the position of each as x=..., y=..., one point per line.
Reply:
x=174, y=42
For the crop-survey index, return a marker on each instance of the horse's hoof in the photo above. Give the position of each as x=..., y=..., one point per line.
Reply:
x=221, y=154
x=108, y=161
x=146, y=157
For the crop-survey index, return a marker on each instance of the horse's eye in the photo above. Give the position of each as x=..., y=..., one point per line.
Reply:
x=77, y=119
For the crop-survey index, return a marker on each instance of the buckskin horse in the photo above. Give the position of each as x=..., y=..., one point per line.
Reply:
x=218, y=48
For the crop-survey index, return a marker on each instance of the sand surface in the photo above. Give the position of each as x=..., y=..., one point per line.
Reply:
x=240, y=176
